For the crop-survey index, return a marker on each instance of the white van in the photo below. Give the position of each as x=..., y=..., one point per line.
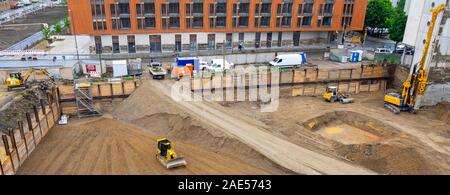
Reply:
x=288, y=60
x=383, y=50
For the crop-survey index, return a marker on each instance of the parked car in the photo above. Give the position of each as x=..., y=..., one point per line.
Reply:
x=16, y=5
x=26, y=2
x=383, y=50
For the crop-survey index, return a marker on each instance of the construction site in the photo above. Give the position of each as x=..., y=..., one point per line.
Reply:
x=209, y=115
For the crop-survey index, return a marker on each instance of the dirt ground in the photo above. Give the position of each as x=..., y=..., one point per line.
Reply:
x=305, y=136
x=11, y=35
x=107, y=146
x=364, y=132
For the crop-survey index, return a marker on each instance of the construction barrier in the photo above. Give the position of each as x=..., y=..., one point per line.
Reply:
x=18, y=144
x=302, y=81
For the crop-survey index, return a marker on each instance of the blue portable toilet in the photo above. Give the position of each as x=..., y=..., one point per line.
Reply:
x=304, y=58
x=183, y=61
x=356, y=56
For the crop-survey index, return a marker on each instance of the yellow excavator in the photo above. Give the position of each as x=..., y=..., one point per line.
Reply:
x=167, y=156
x=415, y=84
x=17, y=80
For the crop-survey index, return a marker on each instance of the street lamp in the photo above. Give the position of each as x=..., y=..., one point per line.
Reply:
x=75, y=34
x=233, y=26
x=343, y=35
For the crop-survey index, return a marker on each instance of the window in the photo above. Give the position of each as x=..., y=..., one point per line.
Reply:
x=306, y=22
x=221, y=22
x=266, y=8
x=124, y=8
x=174, y=22
x=114, y=24
x=193, y=42
x=197, y=22
x=188, y=9
x=149, y=8
x=308, y=8
x=131, y=44
x=115, y=41
x=265, y=22
x=98, y=8
x=155, y=43
x=150, y=22
x=174, y=8
x=113, y=9
x=124, y=23
x=286, y=21
x=164, y=23
x=98, y=44
x=211, y=41
x=296, y=38
x=257, y=39
x=244, y=8
x=138, y=9
x=280, y=39
x=178, y=43
x=221, y=8
x=198, y=8
x=241, y=37
x=243, y=22
x=229, y=38
x=287, y=8
x=326, y=21
x=300, y=9
x=140, y=23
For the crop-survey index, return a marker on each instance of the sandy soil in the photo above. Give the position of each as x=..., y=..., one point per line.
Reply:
x=107, y=146
x=391, y=144
x=153, y=98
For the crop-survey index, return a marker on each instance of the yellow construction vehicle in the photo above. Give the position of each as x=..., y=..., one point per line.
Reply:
x=167, y=156
x=415, y=84
x=17, y=80
x=332, y=95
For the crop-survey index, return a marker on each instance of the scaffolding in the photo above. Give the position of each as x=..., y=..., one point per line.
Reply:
x=85, y=102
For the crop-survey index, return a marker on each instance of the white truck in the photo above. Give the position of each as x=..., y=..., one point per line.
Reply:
x=156, y=70
x=289, y=60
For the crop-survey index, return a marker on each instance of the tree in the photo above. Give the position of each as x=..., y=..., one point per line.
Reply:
x=67, y=24
x=401, y=4
x=46, y=32
x=378, y=12
x=397, y=25
x=58, y=28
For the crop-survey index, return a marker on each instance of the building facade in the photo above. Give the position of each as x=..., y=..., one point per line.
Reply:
x=155, y=26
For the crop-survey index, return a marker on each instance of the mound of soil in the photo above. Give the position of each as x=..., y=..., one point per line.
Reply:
x=188, y=130
x=107, y=147
x=159, y=116
x=15, y=110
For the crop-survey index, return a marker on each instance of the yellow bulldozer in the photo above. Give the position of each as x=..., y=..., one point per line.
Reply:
x=17, y=80
x=167, y=156
x=333, y=95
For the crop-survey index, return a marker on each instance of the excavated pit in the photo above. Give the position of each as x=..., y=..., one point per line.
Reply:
x=370, y=143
